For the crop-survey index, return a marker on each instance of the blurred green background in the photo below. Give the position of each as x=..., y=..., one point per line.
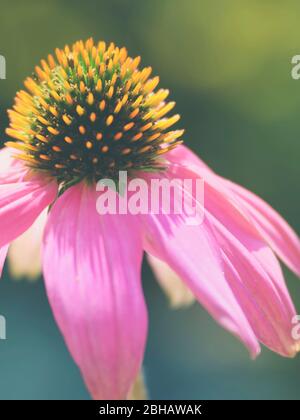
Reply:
x=228, y=65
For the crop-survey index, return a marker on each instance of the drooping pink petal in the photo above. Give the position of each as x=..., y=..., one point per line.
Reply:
x=270, y=224
x=3, y=253
x=272, y=227
x=225, y=209
x=250, y=266
x=21, y=203
x=264, y=299
x=92, y=266
x=193, y=253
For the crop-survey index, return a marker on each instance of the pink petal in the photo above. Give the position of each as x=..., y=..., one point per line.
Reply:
x=272, y=227
x=193, y=253
x=92, y=266
x=264, y=298
x=21, y=203
x=269, y=223
x=250, y=266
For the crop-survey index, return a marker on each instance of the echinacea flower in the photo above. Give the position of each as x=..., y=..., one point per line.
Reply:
x=88, y=114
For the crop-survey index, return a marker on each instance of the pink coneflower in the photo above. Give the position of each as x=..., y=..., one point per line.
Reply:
x=89, y=114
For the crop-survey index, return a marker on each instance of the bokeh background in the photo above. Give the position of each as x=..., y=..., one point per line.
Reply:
x=228, y=65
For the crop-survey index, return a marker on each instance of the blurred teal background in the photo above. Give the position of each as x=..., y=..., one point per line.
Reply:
x=228, y=65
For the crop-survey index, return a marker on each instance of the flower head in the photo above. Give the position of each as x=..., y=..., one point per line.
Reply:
x=91, y=112
x=88, y=115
